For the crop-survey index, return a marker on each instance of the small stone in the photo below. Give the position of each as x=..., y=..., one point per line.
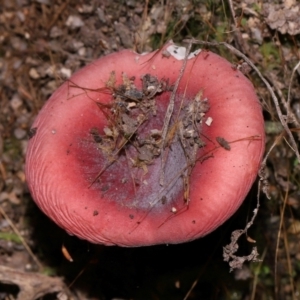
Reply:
x=21, y=16
x=101, y=15
x=47, y=2
x=28, y=267
x=82, y=51
x=85, y=9
x=62, y=296
x=131, y=3
x=17, y=64
x=74, y=22
x=33, y=73
x=18, y=44
x=77, y=45
x=19, y=133
x=27, y=35
x=50, y=71
x=55, y=32
x=66, y=73
x=15, y=102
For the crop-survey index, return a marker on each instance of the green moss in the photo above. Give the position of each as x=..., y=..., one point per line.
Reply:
x=10, y=237
x=12, y=147
x=257, y=8
x=244, y=22
x=271, y=55
x=49, y=271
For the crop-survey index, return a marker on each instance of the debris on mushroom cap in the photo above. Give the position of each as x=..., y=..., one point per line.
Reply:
x=209, y=121
x=162, y=153
x=179, y=52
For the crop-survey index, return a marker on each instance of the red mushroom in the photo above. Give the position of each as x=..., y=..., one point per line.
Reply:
x=106, y=164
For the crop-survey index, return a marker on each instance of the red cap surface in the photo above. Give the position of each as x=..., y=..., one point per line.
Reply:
x=64, y=158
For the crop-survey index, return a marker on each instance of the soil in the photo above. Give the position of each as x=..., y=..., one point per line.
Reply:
x=42, y=43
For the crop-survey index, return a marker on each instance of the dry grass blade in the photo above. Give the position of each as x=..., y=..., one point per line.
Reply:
x=291, y=116
x=17, y=232
x=281, y=225
x=288, y=257
x=255, y=279
x=291, y=80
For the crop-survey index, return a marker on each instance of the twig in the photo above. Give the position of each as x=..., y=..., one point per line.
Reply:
x=288, y=258
x=17, y=232
x=31, y=285
x=291, y=115
x=291, y=118
x=274, y=98
x=278, y=241
x=57, y=14
x=169, y=112
x=117, y=151
x=290, y=84
x=232, y=13
x=190, y=164
x=230, y=249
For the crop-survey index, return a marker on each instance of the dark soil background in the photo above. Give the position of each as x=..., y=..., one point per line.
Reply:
x=42, y=43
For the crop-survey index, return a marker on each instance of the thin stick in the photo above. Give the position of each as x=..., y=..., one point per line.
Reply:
x=290, y=84
x=232, y=13
x=274, y=98
x=288, y=259
x=282, y=210
x=291, y=115
x=291, y=118
x=24, y=243
x=169, y=112
x=189, y=165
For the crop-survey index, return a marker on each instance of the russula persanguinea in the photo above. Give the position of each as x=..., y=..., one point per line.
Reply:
x=105, y=165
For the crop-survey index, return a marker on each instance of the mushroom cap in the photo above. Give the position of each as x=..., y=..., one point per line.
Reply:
x=63, y=160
